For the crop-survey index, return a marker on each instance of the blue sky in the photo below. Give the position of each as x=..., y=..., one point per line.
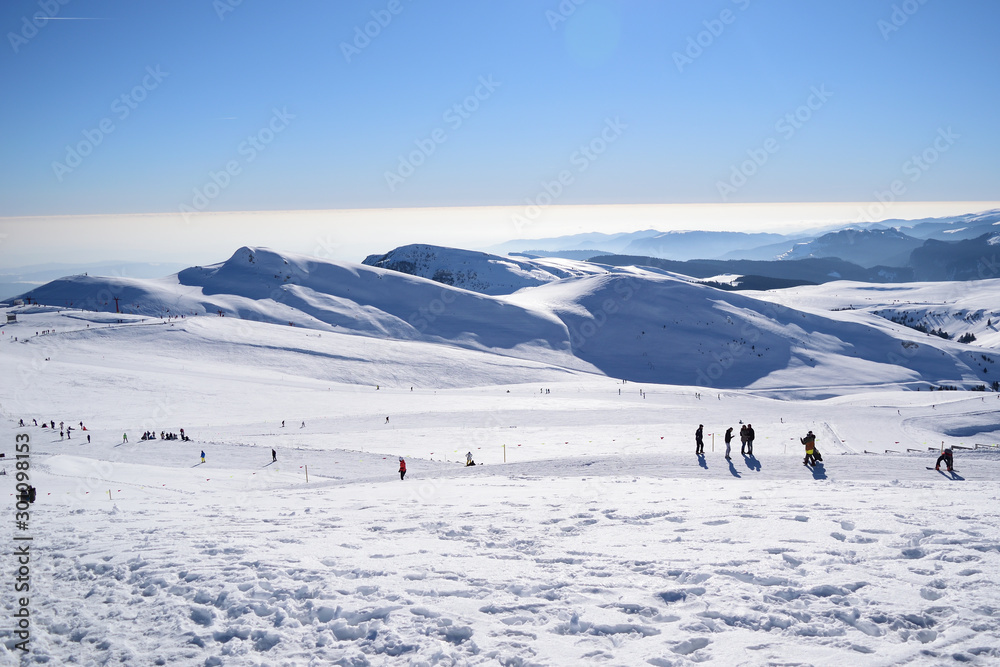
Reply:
x=558, y=82
x=269, y=90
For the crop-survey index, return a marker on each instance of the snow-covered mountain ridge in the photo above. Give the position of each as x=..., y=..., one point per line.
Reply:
x=479, y=271
x=625, y=323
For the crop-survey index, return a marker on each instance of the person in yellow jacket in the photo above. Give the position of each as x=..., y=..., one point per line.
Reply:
x=810, y=442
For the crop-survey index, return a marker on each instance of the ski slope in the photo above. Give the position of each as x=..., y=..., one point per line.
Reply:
x=589, y=534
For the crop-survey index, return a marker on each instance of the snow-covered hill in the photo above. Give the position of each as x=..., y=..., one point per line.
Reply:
x=479, y=271
x=286, y=289
x=630, y=323
x=955, y=308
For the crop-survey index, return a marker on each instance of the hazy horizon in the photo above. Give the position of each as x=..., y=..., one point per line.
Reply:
x=351, y=235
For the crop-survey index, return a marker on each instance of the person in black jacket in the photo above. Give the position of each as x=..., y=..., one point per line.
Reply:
x=699, y=444
x=946, y=458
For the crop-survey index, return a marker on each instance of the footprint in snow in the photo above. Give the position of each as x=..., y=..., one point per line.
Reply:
x=691, y=645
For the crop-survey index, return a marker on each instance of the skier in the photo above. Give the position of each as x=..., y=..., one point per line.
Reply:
x=468, y=459
x=282, y=423
x=402, y=468
x=21, y=424
x=124, y=438
x=729, y=439
x=810, y=442
x=386, y=420
x=699, y=444
x=274, y=456
x=946, y=457
x=88, y=438
x=743, y=440
x=203, y=456
x=750, y=436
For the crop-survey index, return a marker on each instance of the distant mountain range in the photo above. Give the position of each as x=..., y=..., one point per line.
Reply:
x=667, y=245
x=866, y=247
x=954, y=248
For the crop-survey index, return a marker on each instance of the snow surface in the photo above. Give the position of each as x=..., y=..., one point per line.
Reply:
x=600, y=540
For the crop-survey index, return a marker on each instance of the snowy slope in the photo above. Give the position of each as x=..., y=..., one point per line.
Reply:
x=957, y=308
x=673, y=331
x=601, y=540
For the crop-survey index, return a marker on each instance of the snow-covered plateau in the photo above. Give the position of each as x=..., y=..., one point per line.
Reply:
x=588, y=533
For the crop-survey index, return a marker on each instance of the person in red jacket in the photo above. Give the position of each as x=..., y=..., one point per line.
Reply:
x=402, y=468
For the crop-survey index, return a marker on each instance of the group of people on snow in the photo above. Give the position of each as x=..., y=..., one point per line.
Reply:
x=747, y=436
x=151, y=435
x=65, y=430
